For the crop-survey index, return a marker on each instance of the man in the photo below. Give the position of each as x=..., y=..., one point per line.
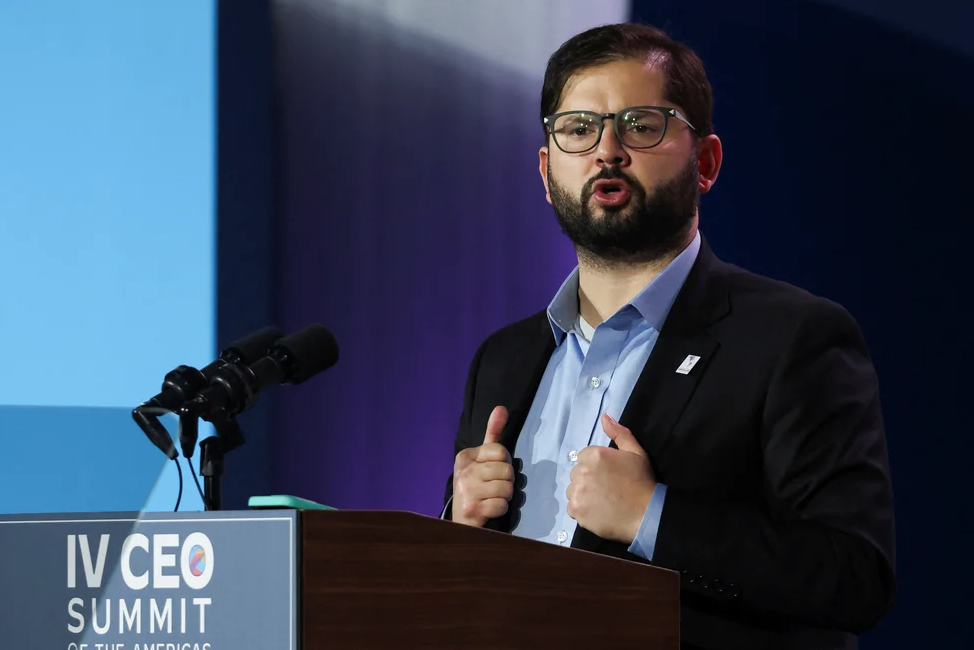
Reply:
x=668, y=407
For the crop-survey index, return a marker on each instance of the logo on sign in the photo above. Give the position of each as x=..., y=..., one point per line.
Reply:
x=160, y=562
x=197, y=561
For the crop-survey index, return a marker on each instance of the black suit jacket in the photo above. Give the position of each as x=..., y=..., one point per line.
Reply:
x=778, y=511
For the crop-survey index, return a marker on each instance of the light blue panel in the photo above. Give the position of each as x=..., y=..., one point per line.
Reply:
x=107, y=242
x=107, y=220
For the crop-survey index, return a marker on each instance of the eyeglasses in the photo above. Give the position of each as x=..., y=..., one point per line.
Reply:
x=638, y=127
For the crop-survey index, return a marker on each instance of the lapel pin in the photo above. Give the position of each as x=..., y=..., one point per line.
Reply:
x=688, y=364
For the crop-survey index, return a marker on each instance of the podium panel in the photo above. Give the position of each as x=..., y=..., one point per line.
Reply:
x=124, y=581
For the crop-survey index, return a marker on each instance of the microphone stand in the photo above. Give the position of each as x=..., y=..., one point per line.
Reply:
x=228, y=437
x=211, y=469
x=212, y=451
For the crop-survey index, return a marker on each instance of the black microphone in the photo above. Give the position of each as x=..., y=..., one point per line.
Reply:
x=184, y=382
x=234, y=388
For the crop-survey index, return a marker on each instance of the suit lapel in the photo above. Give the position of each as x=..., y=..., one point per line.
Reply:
x=665, y=385
x=660, y=394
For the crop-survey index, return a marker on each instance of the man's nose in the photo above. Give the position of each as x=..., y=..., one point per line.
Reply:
x=610, y=151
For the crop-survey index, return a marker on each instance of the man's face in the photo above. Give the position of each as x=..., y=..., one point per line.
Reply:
x=618, y=204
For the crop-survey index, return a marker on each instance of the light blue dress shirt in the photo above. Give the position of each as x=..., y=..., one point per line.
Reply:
x=590, y=373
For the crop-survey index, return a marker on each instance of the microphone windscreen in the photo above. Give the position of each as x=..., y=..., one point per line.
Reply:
x=310, y=351
x=252, y=347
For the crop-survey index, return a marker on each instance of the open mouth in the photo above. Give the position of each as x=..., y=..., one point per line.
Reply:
x=611, y=192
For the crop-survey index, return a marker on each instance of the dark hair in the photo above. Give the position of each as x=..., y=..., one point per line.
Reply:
x=686, y=83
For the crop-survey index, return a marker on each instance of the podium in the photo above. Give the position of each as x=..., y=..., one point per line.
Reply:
x=286, y=579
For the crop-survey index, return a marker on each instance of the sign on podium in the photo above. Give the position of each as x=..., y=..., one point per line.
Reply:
x=191, y=581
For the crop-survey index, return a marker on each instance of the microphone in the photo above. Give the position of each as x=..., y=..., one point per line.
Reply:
x=294, y=359
x=184, y=382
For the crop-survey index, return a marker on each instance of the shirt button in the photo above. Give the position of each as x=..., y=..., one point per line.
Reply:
x=562, y=536
x=594, y=382
x=573, y=456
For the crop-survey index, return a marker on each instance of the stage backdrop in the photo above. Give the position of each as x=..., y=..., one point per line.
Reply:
x=107, y=252
x=406, y=213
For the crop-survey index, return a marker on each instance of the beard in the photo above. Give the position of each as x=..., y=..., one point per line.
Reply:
x=646, y=229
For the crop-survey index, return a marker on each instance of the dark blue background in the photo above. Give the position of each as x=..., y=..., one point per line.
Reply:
x=847, y=165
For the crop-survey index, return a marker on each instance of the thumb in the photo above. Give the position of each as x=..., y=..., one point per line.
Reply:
x=495, y=424
x=622, y=436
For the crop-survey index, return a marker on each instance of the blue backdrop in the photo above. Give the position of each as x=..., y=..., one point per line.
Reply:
x=107, y=252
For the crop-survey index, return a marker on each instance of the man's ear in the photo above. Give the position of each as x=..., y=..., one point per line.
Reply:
x=543, y=168
x=710, y=156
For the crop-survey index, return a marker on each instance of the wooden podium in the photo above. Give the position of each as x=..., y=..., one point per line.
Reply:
x=286, y=579
x=376, y=579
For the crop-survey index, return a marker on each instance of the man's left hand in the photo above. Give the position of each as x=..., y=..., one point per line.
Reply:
x=610, y=488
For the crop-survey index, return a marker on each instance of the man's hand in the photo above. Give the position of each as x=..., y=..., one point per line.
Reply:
x=483, y=477
x=610, y=488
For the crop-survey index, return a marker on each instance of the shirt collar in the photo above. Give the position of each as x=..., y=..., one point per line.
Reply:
x=652, y=303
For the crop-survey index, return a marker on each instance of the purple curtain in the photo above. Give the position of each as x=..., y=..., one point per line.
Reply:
x=413, y=223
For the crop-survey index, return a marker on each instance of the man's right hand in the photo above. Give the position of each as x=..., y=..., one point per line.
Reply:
x=483, y=477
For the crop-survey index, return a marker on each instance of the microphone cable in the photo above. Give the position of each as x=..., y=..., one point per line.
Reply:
x=156, y=412
x=179, y=498
x=192, y=470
